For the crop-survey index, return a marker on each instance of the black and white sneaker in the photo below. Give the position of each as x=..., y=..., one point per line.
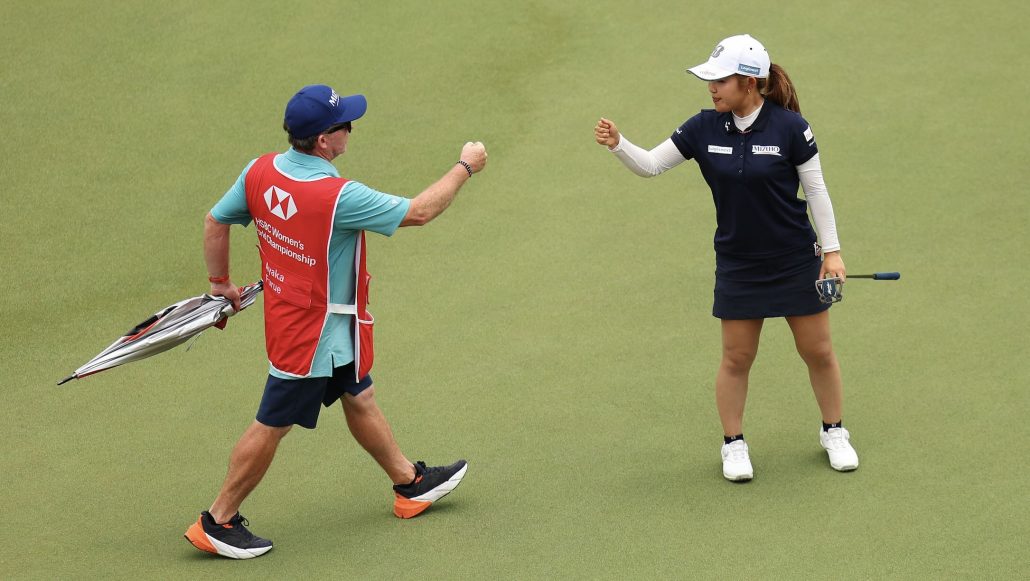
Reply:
x=836, y=442
x=430, y=485
x=736, y=462
x=231, y=539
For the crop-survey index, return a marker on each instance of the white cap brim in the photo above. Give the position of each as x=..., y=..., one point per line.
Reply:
x=709, y=72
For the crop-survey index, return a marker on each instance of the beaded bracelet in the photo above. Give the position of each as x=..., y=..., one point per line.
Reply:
x=466, y=165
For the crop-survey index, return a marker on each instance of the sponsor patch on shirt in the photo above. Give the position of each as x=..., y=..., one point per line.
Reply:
x=720, y=149
x=765, y=150
x=808, y=134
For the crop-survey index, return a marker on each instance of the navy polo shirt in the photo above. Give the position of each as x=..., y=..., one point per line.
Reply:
x=754, y=179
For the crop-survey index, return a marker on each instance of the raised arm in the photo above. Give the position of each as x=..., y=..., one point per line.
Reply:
x=640, y=161
x=436, y=198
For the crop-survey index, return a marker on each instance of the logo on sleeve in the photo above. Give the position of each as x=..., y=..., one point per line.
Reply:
x=765, y=150
x=808, y=134
x=720, y=149
x=280, y=203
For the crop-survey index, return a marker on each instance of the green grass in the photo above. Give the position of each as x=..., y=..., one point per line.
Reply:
x=553, y=326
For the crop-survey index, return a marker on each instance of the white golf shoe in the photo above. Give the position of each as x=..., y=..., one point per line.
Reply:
x=843, y=457
x=736, y=464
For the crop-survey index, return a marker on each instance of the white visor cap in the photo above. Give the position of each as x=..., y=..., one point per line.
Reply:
x=736, y=55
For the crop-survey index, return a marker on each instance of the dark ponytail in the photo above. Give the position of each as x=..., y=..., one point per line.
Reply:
x=779, y=89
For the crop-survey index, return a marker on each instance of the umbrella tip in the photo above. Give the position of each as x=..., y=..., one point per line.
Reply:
x=66, y=379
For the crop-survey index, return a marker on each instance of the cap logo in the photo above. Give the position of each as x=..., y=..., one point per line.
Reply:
x=718, y=50
x=280, y=203
x=748, y=69
x=333, y=98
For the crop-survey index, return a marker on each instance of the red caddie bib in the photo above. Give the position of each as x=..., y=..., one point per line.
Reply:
x=294, y=223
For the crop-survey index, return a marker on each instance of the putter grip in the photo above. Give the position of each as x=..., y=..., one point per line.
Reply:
x=887, y=276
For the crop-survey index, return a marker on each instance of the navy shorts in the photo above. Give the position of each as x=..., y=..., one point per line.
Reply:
x=763, y=288
x=297, y=401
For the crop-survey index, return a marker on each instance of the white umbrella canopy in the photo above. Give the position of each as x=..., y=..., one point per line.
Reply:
x=167, y=328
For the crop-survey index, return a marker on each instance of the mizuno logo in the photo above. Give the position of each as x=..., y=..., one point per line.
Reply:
x=765, y=150
x=280, y=203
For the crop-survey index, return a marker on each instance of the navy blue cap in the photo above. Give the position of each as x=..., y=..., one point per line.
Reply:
x=316, y=108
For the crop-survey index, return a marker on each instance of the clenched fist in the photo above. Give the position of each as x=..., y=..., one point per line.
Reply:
x=606, y=133
x=474, y=154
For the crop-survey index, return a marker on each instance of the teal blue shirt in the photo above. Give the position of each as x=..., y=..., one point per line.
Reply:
x=360, y=208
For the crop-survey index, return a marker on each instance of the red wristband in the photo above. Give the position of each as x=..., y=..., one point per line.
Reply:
x=218, y=279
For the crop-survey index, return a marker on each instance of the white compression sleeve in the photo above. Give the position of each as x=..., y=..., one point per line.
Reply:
x=647, y=163
x=811, y=174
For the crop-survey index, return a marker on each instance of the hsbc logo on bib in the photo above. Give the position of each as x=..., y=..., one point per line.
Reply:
x=280, y=203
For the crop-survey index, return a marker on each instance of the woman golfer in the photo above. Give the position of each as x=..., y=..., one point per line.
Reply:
x=754, y=149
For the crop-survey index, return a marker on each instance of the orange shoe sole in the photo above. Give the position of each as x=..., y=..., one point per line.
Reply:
x=195, y=534
x=407, y=508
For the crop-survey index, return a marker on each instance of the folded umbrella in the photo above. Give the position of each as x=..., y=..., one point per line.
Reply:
x=167, y=328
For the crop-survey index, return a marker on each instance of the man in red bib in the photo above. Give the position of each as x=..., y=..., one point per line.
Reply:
x=311, y=227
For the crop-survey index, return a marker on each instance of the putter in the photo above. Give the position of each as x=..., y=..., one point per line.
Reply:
x=878, y=275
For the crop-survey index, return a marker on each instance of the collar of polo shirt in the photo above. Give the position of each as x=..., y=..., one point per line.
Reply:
x=758, y=125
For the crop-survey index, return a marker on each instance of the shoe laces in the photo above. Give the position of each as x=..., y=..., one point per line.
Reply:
x=242, y=528
x=837, y=438
x=738, y=452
